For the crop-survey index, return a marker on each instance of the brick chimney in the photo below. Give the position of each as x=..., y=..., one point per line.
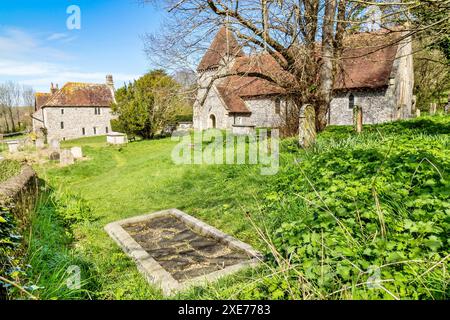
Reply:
x=54, y=89
x=110, y=81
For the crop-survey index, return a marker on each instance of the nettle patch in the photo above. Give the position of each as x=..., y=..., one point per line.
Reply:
x=364, y=221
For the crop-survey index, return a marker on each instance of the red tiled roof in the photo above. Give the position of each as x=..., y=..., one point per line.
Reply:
x=366, y=63
x=75, y=94
x=41, y=99
x=367, y=60
x=224, y=43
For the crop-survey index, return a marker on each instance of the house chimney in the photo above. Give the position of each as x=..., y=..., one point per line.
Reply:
x=54, y=89
x=110, y=81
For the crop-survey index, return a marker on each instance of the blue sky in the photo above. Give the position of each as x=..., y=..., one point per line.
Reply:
x=37, y=48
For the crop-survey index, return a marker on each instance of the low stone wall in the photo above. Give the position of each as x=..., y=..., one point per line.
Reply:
x=19, y=194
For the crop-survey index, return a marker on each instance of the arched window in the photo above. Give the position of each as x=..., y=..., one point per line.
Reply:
x=351, y=101
x=212, y=119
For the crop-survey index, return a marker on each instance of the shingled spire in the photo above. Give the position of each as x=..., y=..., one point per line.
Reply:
x=223, y=45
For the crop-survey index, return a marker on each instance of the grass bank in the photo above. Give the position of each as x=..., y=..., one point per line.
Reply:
x=385, y=190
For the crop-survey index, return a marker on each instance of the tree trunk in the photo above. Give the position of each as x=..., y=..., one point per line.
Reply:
x=6, y=120
x=11, y=116
x=326, y=68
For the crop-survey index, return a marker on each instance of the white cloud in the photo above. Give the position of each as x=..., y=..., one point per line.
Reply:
x=57, y=36
x=31, y=60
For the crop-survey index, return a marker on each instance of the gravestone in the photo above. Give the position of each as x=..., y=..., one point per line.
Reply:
x=54, y=144
x=40, y=143
x=358, y=118
x=307, y=126
x=66, y=158
x=116, y=138
x=54, y=156
x=447, y=106
x=13, y=146
x=413, y=104
x=77, y=152
x=417, y=113
x=432, y=108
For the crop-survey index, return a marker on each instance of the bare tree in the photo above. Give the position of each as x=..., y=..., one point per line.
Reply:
x=12, y=96
x=304, y=37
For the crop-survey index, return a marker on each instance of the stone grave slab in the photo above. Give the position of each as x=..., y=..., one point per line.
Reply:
x=175, y=251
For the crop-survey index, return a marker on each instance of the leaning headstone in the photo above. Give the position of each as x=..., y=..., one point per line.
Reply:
x=66, y=158
x=307, y=126
x=54, y=156
x=77, y=152
x=40, y=143
x=54, y=144
x=358, y=119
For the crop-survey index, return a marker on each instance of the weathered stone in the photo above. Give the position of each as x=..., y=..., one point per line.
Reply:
x=417, y=113
x=55, y=145
x=194, y=255
x=40, y=143
x=13, y=146
x=433, y=107
x=307, y=126
x=413, y=105
x=54, y=156
x=358, y=119
x=116, y=138
x=77, y=152
x=66, y=158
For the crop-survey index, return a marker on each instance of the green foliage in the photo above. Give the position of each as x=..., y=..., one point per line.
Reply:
x=8, y=169
x=379, y=180
x=71, y=209
x=371, y=204
x=146, y=106
x=51, y=252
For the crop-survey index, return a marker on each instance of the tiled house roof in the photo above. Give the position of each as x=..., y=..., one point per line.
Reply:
x=76, y=94
x=366, y=63
x=41, y=99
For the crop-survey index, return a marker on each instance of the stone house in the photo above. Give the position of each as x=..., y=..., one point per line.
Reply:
x=375, y=76
x=76, y=110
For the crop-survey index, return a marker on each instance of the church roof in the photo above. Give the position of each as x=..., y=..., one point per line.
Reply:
x=223, y=44
x=77, y=94
x=367, y=62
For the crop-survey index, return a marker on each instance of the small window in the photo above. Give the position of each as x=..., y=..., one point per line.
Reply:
x=95, y=130
x=84, y=131
x=97, y=111
x=107, y=130
x=351, y=101
x=277, y=105
x=62, y=111
x=62, y=125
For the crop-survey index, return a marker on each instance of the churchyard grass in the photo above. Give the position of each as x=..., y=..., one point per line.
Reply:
x=115, y=183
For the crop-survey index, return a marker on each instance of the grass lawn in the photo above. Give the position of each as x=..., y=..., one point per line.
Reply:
x=387, y=189
x=140, y=178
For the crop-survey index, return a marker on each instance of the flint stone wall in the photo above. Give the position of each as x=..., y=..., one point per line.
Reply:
x=19, y=193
